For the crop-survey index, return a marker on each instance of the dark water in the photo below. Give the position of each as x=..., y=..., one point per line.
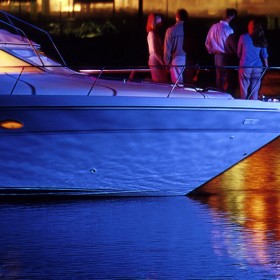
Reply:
x=232, y=234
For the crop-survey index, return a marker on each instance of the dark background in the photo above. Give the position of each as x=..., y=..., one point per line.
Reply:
x=128, y=45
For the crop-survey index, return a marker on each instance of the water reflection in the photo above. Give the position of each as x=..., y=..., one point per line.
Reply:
x=248, y=196
x=257, y=173
x=141, y=238
x=234, y=233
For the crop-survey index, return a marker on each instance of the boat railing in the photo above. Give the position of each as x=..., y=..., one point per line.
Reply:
x=270, y=82
x=16, y=72
x=25, y=30
x=269, y=91
x=129, y=72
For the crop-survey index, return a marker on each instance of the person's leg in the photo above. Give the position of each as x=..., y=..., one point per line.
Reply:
x=153, y=67
x=244, y=81
x=177, y=69
x=255, y=83
x=219, y=64
x=225, y=79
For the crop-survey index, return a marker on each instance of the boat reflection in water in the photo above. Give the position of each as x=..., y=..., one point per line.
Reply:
x=248, y=195
x=231, y=234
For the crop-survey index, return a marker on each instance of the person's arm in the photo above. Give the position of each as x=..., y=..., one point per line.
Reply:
x=264, y=56
x=150, y=39
x=210, y=40
x=265, y=62
x=231, y=44
x=167, y=48
x=158, y=48
x=239, y=46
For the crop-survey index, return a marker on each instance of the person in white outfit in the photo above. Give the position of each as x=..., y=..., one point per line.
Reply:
x=174, y=54
x=219, y=42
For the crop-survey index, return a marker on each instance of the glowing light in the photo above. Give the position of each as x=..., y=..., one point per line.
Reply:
x=12, y=64
x=11, y=124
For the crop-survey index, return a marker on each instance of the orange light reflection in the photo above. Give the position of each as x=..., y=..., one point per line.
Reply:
x=248, y=196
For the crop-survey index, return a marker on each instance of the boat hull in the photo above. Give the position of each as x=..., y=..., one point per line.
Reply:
x=90, y=147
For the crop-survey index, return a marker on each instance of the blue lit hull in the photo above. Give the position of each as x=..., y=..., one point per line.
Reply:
x=87, y=134
x=141, y=146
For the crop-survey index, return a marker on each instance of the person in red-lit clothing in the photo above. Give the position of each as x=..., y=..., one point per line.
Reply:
x=155, y=45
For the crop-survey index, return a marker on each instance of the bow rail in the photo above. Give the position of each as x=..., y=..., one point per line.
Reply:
x=28, y=35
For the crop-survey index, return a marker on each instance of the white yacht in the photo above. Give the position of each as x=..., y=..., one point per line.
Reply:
x=74, y=133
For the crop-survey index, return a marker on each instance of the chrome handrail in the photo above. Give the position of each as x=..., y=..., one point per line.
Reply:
x=93, y=84
x=16, y=82
x=11, y=24
x=22, y=34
